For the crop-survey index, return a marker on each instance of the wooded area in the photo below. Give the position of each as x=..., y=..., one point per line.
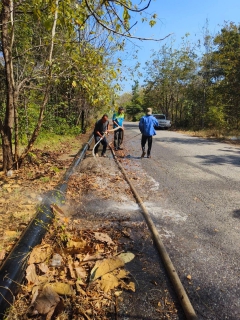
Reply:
x=57, y=66
x=196, y=86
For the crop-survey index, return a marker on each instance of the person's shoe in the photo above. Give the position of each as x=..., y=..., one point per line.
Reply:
x=96, y=154
x=143, y=154
x=116, y=149
x=103, y=154
x=120, y=148
x=149, y=156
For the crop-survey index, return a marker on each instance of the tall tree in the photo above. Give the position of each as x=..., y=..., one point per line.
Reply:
x=31, y=43
x=226, y=64
x=167, y=76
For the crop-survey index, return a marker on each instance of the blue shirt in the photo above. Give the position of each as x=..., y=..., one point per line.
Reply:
x=146, y=125
x=118, y=117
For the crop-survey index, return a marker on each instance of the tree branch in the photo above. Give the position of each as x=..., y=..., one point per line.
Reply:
x=120, y=33
x=131, y=9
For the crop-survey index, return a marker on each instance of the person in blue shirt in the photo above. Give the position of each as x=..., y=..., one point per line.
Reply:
x=146, y=126
x=118, y=118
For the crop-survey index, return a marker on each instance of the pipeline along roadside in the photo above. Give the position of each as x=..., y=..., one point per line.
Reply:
x=99, y=221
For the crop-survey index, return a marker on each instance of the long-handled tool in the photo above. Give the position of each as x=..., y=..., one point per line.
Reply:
x=93, y=150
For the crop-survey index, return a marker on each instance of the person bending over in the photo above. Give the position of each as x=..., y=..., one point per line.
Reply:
x=100, y=128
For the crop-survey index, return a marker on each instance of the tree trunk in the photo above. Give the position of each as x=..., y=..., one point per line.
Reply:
x=6, y=147
x=7, y=42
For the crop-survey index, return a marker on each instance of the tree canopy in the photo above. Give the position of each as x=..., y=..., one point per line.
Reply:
x=196, y=86
x=58, y=65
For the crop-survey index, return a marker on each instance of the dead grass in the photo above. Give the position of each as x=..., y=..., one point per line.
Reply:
x=220, y=135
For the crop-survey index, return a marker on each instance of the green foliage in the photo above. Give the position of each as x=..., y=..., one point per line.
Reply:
x=215, y=118
x=197, y=91
x=61, y=53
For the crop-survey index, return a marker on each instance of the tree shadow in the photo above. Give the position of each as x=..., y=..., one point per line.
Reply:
x=220, y=160
x=230, y=150
x=236, y=213
x=194, y=140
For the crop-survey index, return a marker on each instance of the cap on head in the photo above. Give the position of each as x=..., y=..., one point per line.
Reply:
x=149, y=111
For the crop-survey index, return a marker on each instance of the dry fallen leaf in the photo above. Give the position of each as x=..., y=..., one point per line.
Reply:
x=9, y=233
x=81, y=272
x=35, y=291
x=100, y=247
x=89, y=257
x=2, y=254
x=122, y=274
x=31, y=275
x=76, y=244
x=117, y=293
x=105, y=266
x=126, y=256
x=45, y=301
x=108, y=282
x=129, y=286
x=61, y=288
x=40, y=253
x=189, y=277
x=103, y=237
x=43, y=267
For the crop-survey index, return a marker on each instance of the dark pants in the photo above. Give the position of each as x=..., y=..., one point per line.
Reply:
x=103, y=142
x=143, y=142
x=118, y=138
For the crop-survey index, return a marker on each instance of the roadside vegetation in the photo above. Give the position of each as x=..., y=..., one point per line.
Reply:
x=196, y=85
x=58, y=68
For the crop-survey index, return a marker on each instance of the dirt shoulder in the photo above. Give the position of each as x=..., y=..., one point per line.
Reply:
x=23, y=189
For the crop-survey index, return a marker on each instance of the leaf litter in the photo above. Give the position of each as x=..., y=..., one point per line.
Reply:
x=86, y=282
x=21, y=192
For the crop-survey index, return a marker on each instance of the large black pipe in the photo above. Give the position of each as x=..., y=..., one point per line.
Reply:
x=12, y=271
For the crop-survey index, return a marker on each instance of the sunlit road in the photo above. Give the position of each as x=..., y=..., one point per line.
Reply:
x=196, y=207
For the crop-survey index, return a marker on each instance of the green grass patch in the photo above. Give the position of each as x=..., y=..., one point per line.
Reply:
x=51, y=141
x=45, y=179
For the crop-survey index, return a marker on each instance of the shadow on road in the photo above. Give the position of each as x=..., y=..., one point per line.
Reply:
x=131, y=125
x=220, y=160
x=195, y=141
x=236, y=213
x=230, y=150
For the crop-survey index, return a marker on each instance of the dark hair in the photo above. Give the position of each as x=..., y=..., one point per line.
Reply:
x=105, y=115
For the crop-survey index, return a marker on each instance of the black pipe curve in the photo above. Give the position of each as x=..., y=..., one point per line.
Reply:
x=12, y=271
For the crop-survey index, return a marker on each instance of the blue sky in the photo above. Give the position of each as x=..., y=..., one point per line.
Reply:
x=177, y=17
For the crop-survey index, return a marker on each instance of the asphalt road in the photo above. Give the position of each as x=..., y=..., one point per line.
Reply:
x=191, y=187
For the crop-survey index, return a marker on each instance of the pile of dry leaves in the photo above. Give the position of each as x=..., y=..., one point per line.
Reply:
x=73, y=274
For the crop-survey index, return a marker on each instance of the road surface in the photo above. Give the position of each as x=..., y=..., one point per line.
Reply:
x=191, y=187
